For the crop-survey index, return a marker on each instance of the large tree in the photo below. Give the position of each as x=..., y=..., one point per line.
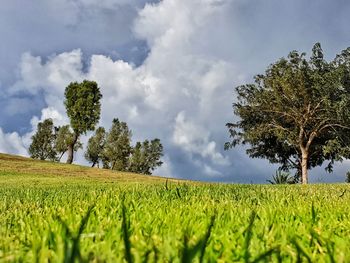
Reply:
x=43, y=142
x=117, y=148
x=297, y=113
x=82, y=101
x=96, y=144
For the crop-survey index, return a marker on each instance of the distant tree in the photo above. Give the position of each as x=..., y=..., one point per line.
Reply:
x=155, y=153
x=118, y=148
x=137, y=159
x=282, y=178
x=95, y=147
x=347, y=179
x=82, y=101
x=64, y=138
x=42, y=146
x=297, y=113
x=146, y=156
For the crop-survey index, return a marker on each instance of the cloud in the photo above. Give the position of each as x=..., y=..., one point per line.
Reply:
x=172, y=95
x=50, y=113
x=166, y=169
x=12, y=143
x=177, y=88
x=210, y=171
x=194, y=139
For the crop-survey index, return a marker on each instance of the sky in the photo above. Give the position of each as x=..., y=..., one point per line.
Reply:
x=168, y=68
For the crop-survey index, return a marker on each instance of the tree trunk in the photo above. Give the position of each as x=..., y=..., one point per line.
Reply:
x=113, y=165
x=304, y=171
x=70, y=150
x=93, y=164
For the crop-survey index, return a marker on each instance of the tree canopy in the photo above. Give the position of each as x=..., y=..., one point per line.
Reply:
x=115, y=151
x=96, y=144
x=297, y=113
x=83, y=106
x=118, y=146
x=146, y=157
x=64, y=138
x=43, y=142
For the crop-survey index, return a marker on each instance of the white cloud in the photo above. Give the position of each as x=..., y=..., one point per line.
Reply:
x=12, y=143
x=50, y=113
x=210, y=171
x=194, y=139
x=166, y=169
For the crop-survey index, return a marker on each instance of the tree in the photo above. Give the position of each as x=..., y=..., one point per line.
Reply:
x=82, y=101
x=146, y=156
x=297, y=113
x=117, y=149
x=95, y=147
x=64, y=138
x=347, y=177
x=42, y=146
x=154, y=154
x=137, y=159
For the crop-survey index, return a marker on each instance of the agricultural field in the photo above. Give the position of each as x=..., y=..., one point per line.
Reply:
x=66, y=213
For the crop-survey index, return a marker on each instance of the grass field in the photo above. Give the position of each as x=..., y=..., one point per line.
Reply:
x=66, y=213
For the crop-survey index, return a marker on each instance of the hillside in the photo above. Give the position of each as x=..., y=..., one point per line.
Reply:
x=13, y=168
x=52, y=212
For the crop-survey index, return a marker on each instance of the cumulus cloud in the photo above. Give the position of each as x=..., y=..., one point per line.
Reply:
x=194, y=139
x=12, y=143
x=49, y=77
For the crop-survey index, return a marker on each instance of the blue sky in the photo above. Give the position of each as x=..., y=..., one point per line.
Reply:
x=168, y=68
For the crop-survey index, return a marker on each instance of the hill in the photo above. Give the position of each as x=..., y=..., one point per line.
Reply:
x=51, y=212
x=17, y=169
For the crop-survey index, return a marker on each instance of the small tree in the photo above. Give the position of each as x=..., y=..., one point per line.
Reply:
x=137, y=159
x=155, y=153
x=117, y=149
x=282, y=178
x=297, y=113
x=95, y=147
x=82, y=101
x=347, y=179
x=64, y=138
x=42, y=146
x=145, y=157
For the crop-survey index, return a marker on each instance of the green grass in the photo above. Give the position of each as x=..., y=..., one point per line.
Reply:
x=59, y=213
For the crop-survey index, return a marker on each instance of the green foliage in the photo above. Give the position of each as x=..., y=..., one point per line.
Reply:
x=64, y=138
x=297, y=113
x=146, y=157
x=71, y=241
x=86, y=219
x=347, y=177
x=282, y=178
x=43, y=141
x=82, y=101
x=117, y=148
x=95, y=147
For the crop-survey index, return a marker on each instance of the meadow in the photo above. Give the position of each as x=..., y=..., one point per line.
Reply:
x=67, y=213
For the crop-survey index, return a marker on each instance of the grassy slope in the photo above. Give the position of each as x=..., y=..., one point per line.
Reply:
x=38, y=200
x=17, y=169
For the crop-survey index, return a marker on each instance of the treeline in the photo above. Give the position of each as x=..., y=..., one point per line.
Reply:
x=112, y=149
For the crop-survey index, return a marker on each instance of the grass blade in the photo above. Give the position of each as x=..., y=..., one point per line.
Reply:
x=126, y=236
